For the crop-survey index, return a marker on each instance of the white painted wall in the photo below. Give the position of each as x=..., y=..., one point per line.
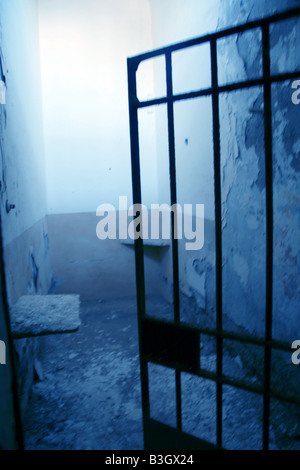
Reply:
x=178, y=20
x=175, y=21
x=21, y=119
x=84, y=49
x=22, y=174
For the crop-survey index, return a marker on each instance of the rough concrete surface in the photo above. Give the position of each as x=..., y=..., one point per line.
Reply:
x=89, y=396
x=34, y=315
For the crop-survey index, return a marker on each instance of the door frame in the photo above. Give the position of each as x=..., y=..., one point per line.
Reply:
x=160, y=341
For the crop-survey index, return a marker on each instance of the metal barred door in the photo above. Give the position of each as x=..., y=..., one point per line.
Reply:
x=175, y=344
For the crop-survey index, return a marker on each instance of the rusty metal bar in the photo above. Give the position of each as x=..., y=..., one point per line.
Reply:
x=221, y=89
x=269, y=232
x=218, y=230
x=139, y=254
x=173, y=198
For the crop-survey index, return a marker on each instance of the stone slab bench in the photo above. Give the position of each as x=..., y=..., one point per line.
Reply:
x=37, y=315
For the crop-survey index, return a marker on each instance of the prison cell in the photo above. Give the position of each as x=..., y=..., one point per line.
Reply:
x=175, y=344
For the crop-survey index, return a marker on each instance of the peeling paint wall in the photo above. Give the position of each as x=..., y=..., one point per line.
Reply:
x=287, y=213
x=22, y=168
x=243, y=178
x=243, y=184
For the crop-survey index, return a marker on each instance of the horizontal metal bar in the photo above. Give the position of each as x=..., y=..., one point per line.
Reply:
x=214, y=36
x=226, y=380
x=183, y=96
x=235, y=336
x=164, y=437
x=220, y=89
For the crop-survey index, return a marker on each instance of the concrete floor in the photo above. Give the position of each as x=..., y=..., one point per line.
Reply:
x=88, y=395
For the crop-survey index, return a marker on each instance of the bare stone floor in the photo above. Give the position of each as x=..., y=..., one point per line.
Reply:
x=88, y=397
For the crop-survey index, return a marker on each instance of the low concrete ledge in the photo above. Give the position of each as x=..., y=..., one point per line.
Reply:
x=37, y=315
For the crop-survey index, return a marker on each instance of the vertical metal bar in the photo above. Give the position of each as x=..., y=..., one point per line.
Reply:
x=171, y=135
x=218, y=231
x=178, y=399
x=136, y=180
x=172, y=166
x=269, y=231
x=139, y=252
